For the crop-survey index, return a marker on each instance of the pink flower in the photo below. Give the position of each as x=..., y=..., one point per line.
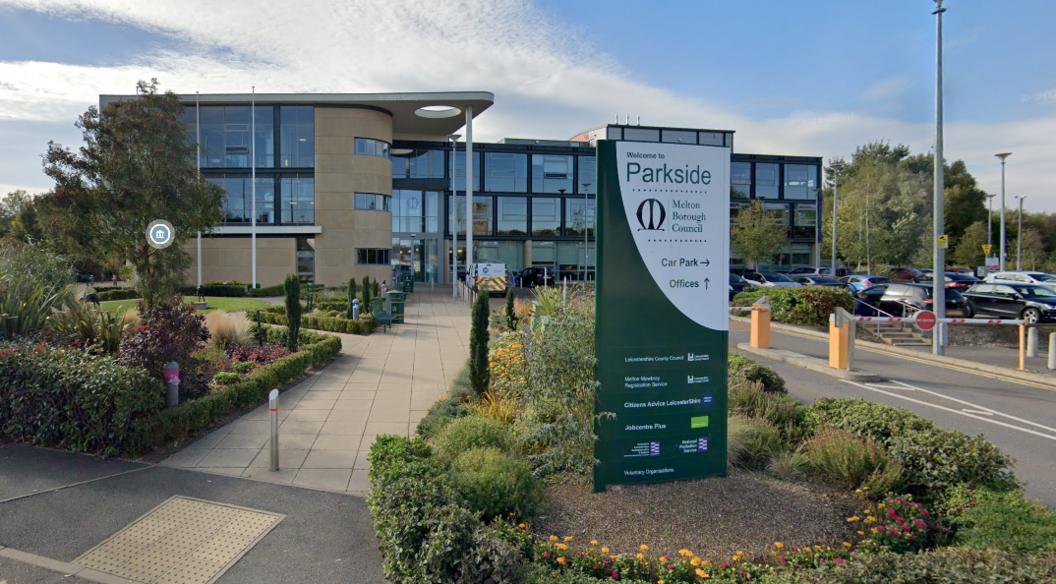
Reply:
x=919, y=523
x=925, y=513
x=546, y=554
x=615, y=575
x=839, y=560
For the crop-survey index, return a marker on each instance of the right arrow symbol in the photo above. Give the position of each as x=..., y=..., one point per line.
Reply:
x=707, y=263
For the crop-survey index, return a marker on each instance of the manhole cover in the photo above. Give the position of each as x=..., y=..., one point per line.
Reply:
x=182, y=541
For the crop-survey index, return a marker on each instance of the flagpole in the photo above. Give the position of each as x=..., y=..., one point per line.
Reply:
x=198, y=146
x=253, y=179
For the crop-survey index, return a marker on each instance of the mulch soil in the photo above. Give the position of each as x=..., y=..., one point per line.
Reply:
x=713, y=518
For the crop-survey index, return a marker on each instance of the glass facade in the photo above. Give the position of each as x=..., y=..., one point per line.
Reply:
x=766, y=180
x=418, y=163
x=800, y=181
x=306, y=258
x=373, y=202
x=225, y=136
x=588, y=175
x=415, y=211
x=297, y=200
x=551, y=173
x=546, y=216
x=740, y=180
x=297, y=136
x=806, y=222
x=369, y=147
x=579, y=216
x=505, y=172
x=238, y=209
x=460, y=171
x=513, y=215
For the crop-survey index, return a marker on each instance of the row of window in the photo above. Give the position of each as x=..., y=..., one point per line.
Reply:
x=372, y=202
x=770, y=180
x=223, y=135
x=540, y=216
x=503, y=172
x=371, y=147
x=373, y=257
x=804, y=222
x=288, y=200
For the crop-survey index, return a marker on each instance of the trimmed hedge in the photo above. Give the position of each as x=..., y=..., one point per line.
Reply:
x=756, y=372
x=171, y=425
x=276, y=290
x=228, y=291
x=804, y=305
x=277, y=315
x=116, y=293
x=72, y=399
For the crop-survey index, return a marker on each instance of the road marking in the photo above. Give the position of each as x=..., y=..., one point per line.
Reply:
x=978, y=407
x=977, y=412
x=958, y=412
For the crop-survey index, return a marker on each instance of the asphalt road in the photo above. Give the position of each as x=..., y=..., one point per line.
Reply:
x=1018, y=418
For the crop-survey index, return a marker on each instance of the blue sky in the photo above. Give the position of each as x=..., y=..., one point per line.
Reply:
x=817, y=77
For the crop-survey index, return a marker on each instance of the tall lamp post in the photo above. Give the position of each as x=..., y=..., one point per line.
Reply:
x=990, y=221
x=454, y=217
x=836, y=168
x=1003, y=156
x=586, y=242
x=938, y=280
x=1019, y=238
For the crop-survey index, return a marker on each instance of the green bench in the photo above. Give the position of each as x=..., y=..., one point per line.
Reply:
x=377, y=311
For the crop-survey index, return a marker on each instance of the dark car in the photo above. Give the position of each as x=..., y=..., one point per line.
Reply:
x=824, y=281
x=537, y=276
x=737, y=285
x=858, y=282
x=868, y=300
x=960, y=282
x=905, y=299
x=1031, y=303
x=907, y=275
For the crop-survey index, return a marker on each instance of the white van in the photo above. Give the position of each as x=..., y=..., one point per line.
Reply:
x=491, y=275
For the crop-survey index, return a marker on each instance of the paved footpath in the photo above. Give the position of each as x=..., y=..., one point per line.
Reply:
x=382, y=383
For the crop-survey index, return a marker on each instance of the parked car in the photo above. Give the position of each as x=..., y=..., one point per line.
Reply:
x=967, y=271
x=537, y=276
x=770, y=280
x=906, y=275
x=906, y=298
x=824, y=281
x=868, y=300
x=820, y=271
x=1030, y=302
x=737, y=285
x=960, y=282
x=1037, y=278
x=861, y=282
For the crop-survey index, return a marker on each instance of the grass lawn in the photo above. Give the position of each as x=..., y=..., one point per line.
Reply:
x=215, y=303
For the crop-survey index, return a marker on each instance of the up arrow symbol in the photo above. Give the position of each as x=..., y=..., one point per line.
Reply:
x=706, y=280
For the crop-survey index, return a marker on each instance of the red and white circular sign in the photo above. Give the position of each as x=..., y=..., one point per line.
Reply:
x=925, y=320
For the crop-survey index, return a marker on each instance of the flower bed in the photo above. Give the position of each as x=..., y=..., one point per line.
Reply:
x=334, y=324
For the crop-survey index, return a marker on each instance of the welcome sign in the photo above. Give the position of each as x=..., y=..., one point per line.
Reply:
x=662, y=311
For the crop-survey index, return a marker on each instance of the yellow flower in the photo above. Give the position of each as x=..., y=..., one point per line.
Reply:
x=553, y=538
x=865, y=488
x=868, y=511
x=522, y=526
x=859, y=491
x=779, y=545
x=640, y=556
x=568, y=539
x=871, y=519
x=643, y=547
x=612, y=557
x=881, y=506
x=659, y=582
x=561, y=561
x=874, y=530
x=593, y=542
x=694, y=562
x=853, y=519
x=700, y=573
x=808, y=550
x=604, y=550
x=847, y=545
x=560, y=546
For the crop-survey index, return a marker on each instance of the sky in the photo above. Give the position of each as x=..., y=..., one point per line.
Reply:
x=814, y=78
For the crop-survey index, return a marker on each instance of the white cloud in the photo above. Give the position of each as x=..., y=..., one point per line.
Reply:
x=548, y=83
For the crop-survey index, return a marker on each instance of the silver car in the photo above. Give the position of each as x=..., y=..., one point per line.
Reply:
x=1037, y=278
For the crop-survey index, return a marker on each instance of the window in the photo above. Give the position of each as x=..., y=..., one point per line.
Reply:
x=579, y=216
x=551, y=173
x=297, y=200
x=417, y=163
x=506, y=172
x=482, y=224
x=766, y=181
x=372, y=202
x=373, y=257
x=806, y=225
x=415, y=211
x=777, y=214
x=513, y=215
x=641, y=134
x=546, y=216
x=225, y=136
x=306, y=258
x=460, y=171
x=680, y=136
x=588, y=175
x=297, y=136
x=740, y=179
x=369, y=147
x=800, y=181
x=240, y=202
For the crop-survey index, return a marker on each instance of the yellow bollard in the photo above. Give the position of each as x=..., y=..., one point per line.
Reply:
x=1022, y=346
x=760, y=334
x=839, y=345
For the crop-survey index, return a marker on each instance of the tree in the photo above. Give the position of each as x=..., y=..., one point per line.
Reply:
x=511, y=312
x=136, y=166
x=969, y=249
x=18, y=217
x=755, y=238
x=292, y=287
x=1033, y=249
x=479, y=374
x=364, y=303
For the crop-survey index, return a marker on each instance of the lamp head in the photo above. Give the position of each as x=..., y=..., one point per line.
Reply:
x=1003, y=155
x=454, y=137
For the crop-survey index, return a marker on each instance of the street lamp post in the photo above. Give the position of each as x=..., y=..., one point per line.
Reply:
x=938, y=280
x=836, y=168
x=990, y=221
x=454, y=218
x=1003, y=156
x=1019, y=238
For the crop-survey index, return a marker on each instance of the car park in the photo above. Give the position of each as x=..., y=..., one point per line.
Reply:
x=737, y=285
x=1037, y=278
x=823, y=281
x=904, y=299
x=769, y=279
x=1029, y=302
x=861, y=281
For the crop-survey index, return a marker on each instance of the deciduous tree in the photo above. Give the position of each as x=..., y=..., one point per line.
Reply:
x=754, y=237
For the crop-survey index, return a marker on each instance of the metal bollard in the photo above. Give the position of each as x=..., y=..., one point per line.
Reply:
x=1032, y=342
x=1052, y=351
x=172, y=384
x=355, y=309
x=273, y=409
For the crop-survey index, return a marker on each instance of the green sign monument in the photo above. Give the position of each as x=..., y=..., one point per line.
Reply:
x=662, y=311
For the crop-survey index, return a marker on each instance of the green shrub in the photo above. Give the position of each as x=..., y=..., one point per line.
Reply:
x=228, y=291
x=106, y=294
x=479, y=372
x=750, y=370
x=440, y=415
x=511, y=312
x=753, y=443
x=277, y=315
x=803, y=305
x=934, y=462
x=244, y=366
x=225, y=378
x=172, y=331
x=749, y=400
x=843, y=458
x=27, y=308
x=948, y=566
x=276, y=290
x=865, y=418
x=469, y=432
x=293, y=311
x=72, y=399
x=495, y=484
x=1000, y=519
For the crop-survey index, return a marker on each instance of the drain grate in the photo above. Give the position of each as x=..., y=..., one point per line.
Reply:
x=182, y=541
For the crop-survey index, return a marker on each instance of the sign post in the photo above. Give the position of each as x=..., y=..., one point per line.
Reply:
x=662, y=312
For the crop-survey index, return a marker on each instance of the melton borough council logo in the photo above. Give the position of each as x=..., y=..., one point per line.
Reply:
x=651, y=215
